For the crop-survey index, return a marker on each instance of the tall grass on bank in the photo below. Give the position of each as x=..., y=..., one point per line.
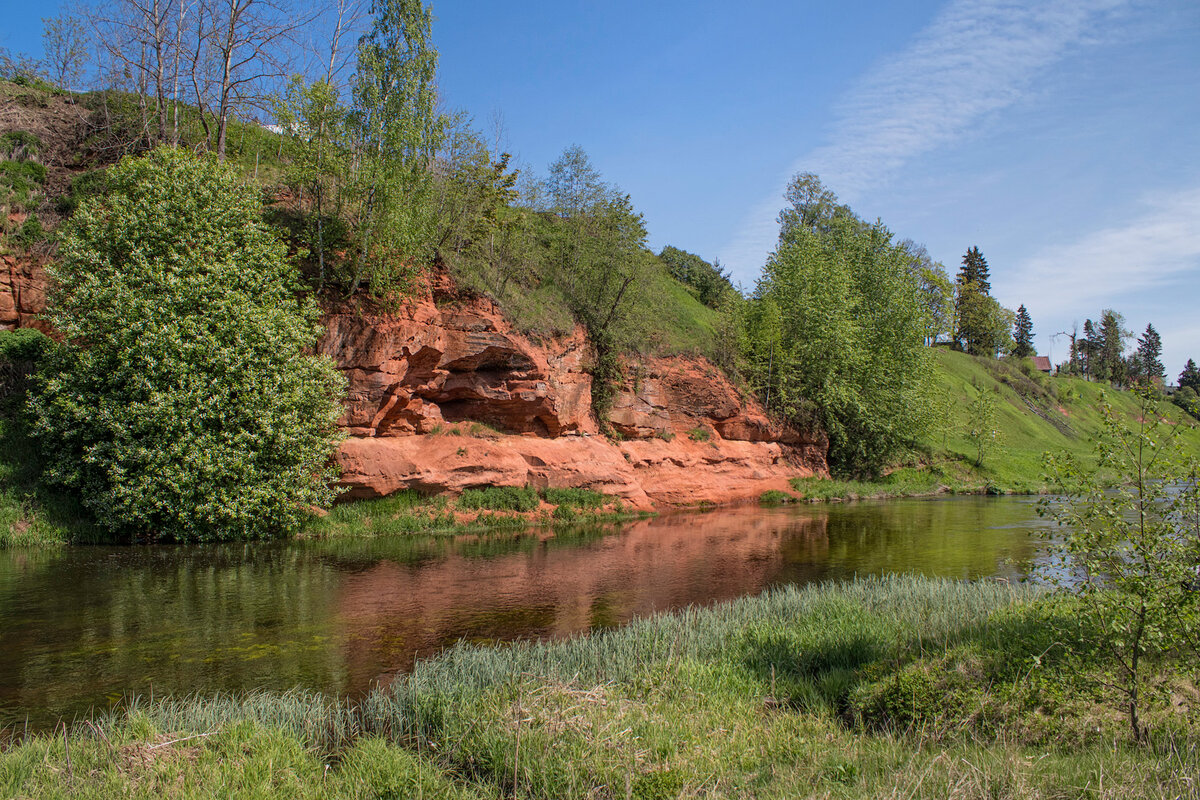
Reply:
x=890, y=687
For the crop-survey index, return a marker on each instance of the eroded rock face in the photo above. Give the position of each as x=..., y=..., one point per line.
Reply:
x=425, y=380
x=23, y=284
x=414, y=371
x=448, y=365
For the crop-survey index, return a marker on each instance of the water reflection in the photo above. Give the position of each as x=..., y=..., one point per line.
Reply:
x=81, y=627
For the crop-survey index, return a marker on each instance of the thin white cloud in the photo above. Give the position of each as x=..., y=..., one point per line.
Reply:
x=975, y=58
x=1156, y=247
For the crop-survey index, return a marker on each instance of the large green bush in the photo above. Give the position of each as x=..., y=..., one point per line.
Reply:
x=185, y=403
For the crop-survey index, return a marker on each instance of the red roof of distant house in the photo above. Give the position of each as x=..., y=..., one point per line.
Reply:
x=1042, y=363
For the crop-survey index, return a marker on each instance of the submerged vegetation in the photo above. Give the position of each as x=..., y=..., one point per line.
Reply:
x=905, y=687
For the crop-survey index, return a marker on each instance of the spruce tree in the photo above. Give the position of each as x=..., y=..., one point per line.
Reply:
x=1023, y=334
x=971, y=304
x=975, y=270
x=1190, y=377
x=1149, y=353
x=1112, y=346
x=1088, y=347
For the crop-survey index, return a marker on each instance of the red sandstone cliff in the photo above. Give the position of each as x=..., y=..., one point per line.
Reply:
x=22, y=293
x=444, y=395
x=421, y=379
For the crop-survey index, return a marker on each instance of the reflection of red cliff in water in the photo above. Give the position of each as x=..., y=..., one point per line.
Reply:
x=398, y=612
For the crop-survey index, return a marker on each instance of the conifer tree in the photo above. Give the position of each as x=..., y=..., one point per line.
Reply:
x=975, y=270
x=1111, y=346
x=1190, y=377
x=1149, y=355
x=1023, y=334
x=1088, y=347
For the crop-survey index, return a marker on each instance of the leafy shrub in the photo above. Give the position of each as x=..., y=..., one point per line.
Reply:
x=183, y=403
x=499, y=498
x=775, y=497
x=31, y=231
x=90, y=184
x=20, y=181
x=699, y=435
x=24, y=344
x=20, y=352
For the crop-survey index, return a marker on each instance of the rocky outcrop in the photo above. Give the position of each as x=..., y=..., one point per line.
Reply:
x=22, y=293
x=444, y=395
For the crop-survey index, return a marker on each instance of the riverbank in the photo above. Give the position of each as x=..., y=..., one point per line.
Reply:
x=474, y=511
x=1032, y=414
x=893, y=687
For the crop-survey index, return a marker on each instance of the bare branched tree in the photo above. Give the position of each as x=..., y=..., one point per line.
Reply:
x=67, y=43
x=251, y=44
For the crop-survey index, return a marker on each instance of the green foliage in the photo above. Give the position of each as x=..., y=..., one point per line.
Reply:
x=699, y=434
x=183, y=404
x=710, y=282
x=314, y=123
x=1188, y=399
x=21, y=183
x=24, y=345
x=31, y=231
x=499, y=498
x=984, y=326
x=981, y=430
x=394, y=130
x=937, y=294
x=774, y=497
x=92, y=183
x=1023, y=334
x=1190, y=377
x=1149, y=357
x=1128, y=546
x=576, y=498
x=836, y=332
x=19, y=145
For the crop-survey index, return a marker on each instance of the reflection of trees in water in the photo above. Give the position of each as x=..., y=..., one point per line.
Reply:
x=339, y=615
x=960, y=538
x=95, y=624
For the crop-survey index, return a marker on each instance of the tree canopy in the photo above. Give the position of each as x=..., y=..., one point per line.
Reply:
x=836, y=331
x=185, y=403
x=1023, y=334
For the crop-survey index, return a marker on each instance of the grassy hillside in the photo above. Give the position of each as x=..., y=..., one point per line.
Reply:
x=1034, y=414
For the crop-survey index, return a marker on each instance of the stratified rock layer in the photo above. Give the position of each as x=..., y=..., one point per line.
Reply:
x=444, y=396
x=22, y=293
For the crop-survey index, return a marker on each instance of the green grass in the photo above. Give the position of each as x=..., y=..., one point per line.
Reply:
x=32, y=515
x=475, y=510
x=890, y=687
x=1033, y=414
x=499, y=498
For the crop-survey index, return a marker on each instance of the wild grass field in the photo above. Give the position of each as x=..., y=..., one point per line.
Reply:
x=892, y=687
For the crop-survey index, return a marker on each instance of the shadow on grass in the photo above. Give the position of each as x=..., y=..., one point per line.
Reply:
x=36, y=514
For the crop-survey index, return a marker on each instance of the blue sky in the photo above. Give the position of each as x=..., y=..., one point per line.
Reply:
x=1062, y=138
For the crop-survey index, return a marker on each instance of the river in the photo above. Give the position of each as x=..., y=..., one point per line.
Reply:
x=82, y=627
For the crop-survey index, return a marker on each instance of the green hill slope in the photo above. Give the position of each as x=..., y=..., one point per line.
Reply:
x=1033, y=414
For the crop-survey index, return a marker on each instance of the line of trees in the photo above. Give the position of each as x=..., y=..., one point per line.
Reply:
x=1101, y=352
x=196, y=62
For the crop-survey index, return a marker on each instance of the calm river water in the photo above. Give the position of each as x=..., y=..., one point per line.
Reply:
x=82, y=627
